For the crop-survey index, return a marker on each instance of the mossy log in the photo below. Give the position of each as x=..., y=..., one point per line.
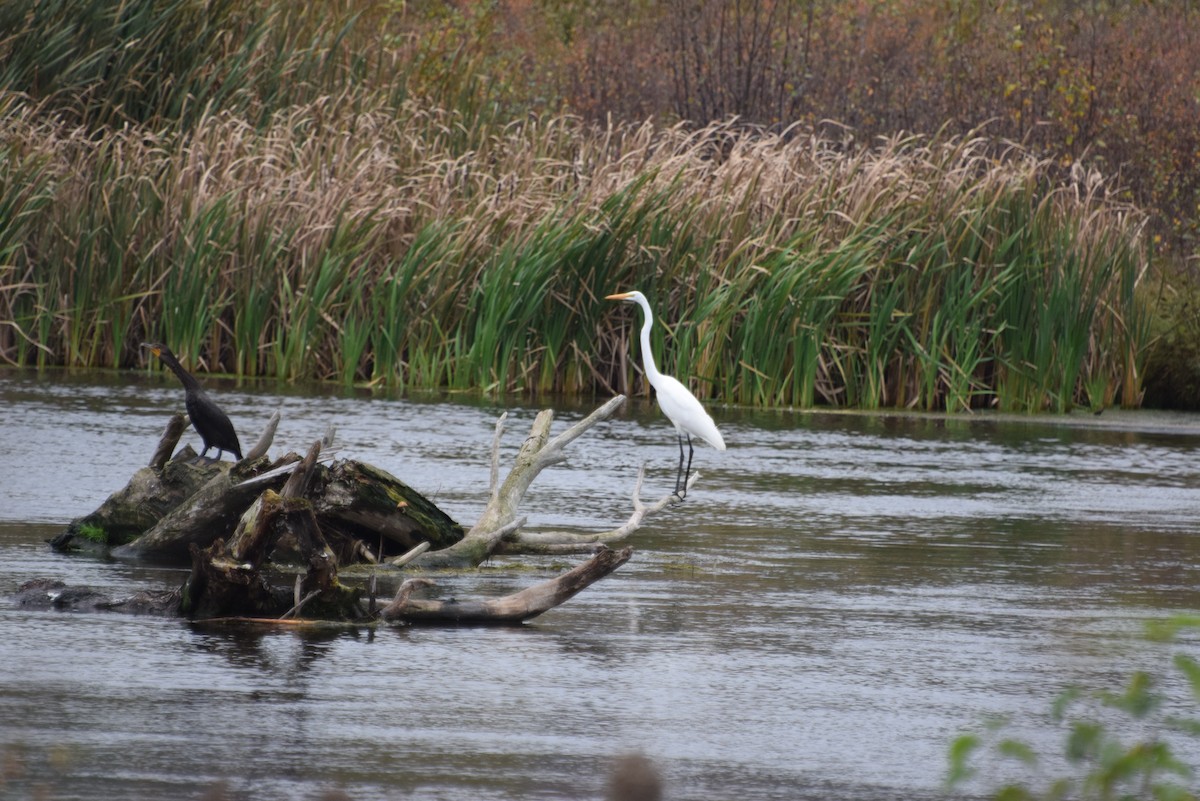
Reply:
x=357, y=502
x=175, y=504
x=365, y=513
x=151, y=493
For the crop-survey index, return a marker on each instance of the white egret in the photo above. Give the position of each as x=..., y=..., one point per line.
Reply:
x=677, y=403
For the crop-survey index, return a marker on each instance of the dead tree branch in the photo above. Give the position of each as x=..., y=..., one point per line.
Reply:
x=170, y=438
x=537, y=453
x=514, y=608
x=264, y=440
x=564, y=542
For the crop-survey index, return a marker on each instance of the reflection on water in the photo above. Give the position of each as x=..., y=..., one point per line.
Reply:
x=839, y=597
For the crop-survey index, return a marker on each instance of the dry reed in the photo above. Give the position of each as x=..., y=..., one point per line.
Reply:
x=340, y=241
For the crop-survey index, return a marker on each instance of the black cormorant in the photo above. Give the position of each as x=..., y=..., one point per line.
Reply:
x=210, y=422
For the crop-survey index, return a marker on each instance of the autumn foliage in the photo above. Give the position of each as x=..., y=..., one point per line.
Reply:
x=1111, y=86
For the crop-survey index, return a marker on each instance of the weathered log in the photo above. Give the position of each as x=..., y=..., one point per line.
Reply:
x=209, y=513
x=228, y=578
x=174, y=504
x=537, y=453
x=509, y=609
x=355, y=501
x=153, y=492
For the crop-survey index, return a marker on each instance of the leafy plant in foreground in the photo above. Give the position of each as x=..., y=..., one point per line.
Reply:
x=1119, y=745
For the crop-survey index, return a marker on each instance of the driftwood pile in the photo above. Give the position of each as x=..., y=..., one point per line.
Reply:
x=245, y=527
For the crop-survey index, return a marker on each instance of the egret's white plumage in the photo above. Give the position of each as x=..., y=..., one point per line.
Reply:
x=679, y=405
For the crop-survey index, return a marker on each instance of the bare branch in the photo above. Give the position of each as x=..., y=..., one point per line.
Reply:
x=264, y=440
x=405, y=558
x=392, y=610
x=551, y=453
x=494, y=487
x=297, y=483
x=537, y=453
x=295, y=610
x=563, y=542
x=170, y=438
x=509, y=609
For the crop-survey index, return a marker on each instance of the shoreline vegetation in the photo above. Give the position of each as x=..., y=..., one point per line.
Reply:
x=273, y=200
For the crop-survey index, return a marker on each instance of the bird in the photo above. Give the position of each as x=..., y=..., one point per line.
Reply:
x=210, y=422
x=679, y=405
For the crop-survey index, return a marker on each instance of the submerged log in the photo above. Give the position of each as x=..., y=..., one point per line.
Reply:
x=515, y=608
x=57, y=595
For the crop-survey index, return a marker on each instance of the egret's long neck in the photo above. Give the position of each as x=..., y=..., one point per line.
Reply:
x=652, y=373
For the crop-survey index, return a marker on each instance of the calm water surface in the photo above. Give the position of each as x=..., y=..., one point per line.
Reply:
x=840, y=596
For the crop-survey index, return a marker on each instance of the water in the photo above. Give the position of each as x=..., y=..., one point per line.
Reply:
x=839, y=597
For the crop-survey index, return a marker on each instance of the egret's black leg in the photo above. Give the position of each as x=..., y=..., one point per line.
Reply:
x=680, y=489
x=687, y=474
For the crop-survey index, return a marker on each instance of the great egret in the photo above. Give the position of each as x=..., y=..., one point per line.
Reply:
x=677, y=403
x=210, y=422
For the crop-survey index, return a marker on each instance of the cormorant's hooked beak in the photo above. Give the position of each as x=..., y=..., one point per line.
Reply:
x=154, y=348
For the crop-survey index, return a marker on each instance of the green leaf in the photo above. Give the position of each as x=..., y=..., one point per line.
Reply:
x=1014, y=792
x=1017, y=750
x=1191, y=669
x=1068, y=697
x=1139, y=698
x=1166, y=629
x=1084, y=740
x=960, y=752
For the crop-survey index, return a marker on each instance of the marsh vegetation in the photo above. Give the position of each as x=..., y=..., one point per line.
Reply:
x=307, y=195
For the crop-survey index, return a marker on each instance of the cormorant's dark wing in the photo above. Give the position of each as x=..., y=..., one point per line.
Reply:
x=212, y=424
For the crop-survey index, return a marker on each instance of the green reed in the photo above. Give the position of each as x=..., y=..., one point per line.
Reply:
x=351, y=242
x=170, y=62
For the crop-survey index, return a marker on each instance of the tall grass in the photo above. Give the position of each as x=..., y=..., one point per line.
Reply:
x=355, y=236
x=170, y=62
